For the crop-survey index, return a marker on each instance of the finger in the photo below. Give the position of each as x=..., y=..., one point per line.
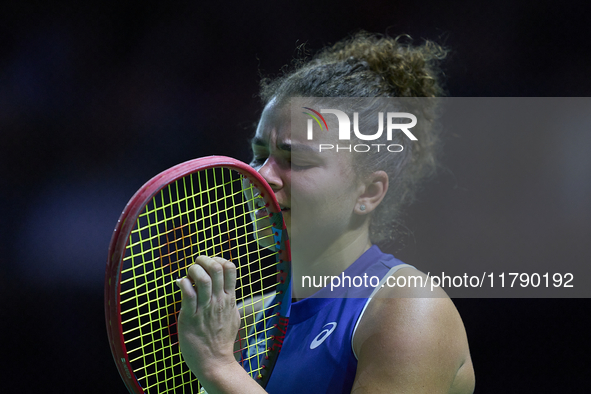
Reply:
x=202, y=284
x=189, y=296
x=215, y=271
x=229, y=276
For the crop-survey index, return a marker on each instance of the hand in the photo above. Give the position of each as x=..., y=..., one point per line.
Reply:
x=209, y=319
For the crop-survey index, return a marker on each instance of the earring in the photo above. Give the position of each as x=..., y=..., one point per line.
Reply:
x=362, y=207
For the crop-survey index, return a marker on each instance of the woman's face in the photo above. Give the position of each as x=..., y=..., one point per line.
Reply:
x=317, y=191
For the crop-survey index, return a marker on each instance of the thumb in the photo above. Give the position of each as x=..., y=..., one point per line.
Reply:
x=189, y=295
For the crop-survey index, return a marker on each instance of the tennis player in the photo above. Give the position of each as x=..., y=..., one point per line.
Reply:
x=380, y=339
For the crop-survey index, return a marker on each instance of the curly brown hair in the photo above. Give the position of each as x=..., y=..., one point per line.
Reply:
x=371, y=65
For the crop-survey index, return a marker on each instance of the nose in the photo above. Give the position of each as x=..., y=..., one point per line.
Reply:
x=271, y=172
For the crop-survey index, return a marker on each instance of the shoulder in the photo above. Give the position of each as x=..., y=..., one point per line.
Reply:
x=411, y=338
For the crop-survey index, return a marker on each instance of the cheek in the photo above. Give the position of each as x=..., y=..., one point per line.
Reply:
x=325, y=198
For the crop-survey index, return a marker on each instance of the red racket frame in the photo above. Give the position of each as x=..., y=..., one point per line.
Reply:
x=119, y=242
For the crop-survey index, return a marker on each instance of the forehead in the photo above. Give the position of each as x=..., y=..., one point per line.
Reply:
x=277, y=125
x=276, y=133
x=274, y=123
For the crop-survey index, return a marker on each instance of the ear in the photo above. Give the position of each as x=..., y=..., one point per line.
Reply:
x=373, y=190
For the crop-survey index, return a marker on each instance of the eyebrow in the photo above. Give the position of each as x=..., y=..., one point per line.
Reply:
x=285, y=146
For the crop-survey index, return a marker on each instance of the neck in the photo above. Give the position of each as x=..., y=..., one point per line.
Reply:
x=329, y=260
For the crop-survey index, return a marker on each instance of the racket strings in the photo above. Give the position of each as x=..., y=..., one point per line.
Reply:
x=208, y=250
x=198, y=222
x=139, y=229
x=213, y=213
x=204, y=251
x=266, y=289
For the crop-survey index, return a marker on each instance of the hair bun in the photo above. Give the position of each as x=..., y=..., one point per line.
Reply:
x=406, y=70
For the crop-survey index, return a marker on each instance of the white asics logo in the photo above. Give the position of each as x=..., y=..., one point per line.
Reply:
x=323, y=335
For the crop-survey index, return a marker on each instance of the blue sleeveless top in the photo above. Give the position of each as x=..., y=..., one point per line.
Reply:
x=317, y=353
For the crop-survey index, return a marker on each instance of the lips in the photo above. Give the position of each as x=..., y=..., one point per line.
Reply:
x=261, y=213
x=260, y=208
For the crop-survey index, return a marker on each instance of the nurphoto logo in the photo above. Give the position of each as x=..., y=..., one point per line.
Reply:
x=344, y=132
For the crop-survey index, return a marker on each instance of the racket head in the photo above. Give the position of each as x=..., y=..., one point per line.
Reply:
x=208, y=206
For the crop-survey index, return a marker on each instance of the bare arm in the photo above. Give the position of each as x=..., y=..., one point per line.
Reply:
x=408, y=343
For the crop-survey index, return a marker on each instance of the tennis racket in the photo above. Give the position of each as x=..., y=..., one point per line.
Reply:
x=212, y=206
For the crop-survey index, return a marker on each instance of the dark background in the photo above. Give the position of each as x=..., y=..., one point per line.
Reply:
x=98, y=97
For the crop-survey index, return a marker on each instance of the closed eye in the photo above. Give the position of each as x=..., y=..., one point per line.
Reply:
x=299, y=167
